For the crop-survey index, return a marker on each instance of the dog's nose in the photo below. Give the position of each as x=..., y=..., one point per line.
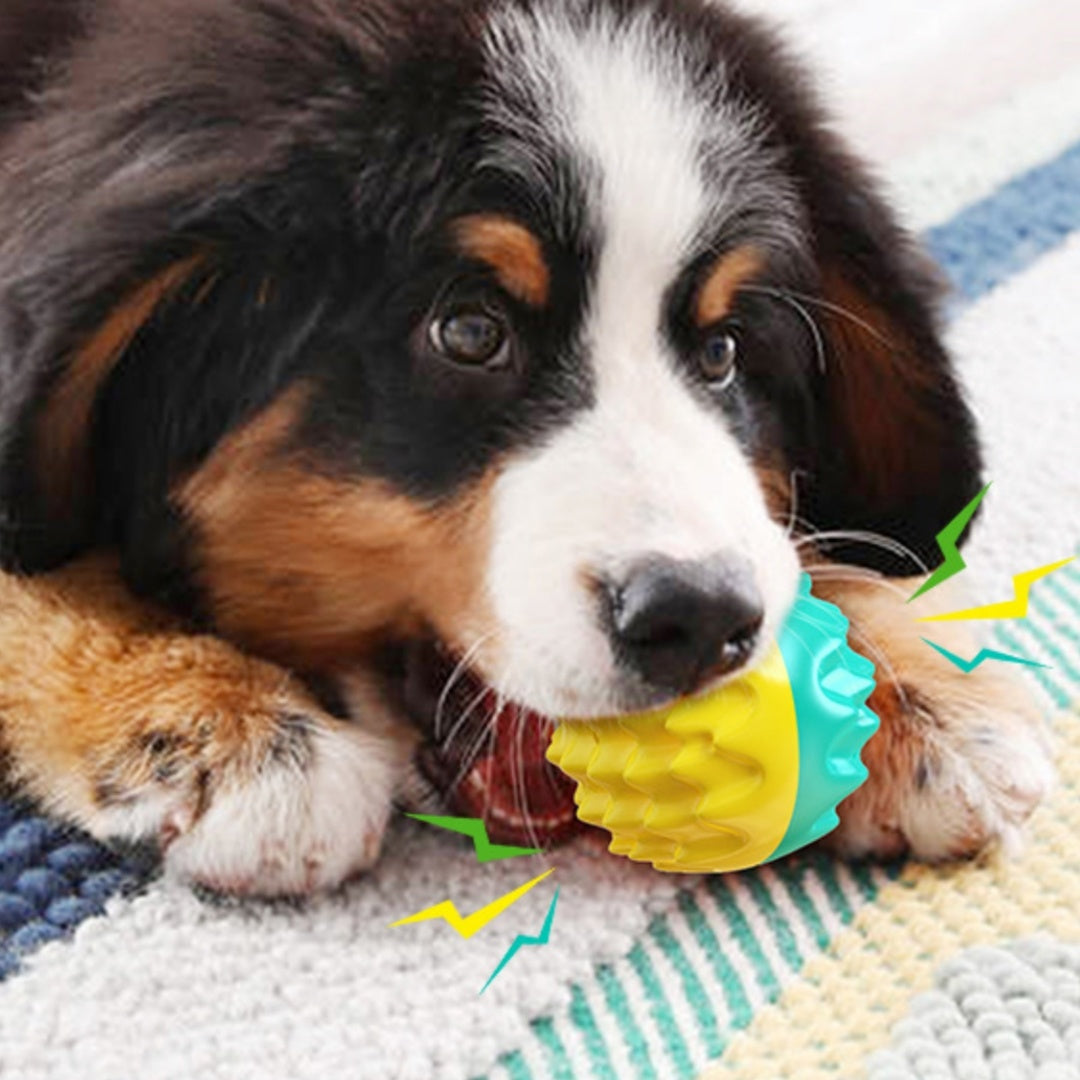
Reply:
x=678, y=625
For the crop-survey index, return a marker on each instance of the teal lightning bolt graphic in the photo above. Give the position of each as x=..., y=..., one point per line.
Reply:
x=968, y=666
x=947, y=540
x=476, y=830
x=526, y=939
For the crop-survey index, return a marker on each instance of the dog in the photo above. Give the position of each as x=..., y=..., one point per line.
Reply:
x=345, y=344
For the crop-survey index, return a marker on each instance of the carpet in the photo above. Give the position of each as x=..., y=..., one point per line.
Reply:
x=962, y=972
x=994, y=1009
x=108, y=974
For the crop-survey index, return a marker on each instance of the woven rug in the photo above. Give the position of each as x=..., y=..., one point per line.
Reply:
x=802, y=969
x=966, y=972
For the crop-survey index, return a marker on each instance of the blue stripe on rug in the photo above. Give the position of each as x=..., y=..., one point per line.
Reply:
x=52, y=878
x=1006, y=232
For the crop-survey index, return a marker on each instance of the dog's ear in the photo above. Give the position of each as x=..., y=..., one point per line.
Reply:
x=138, y=201
x=895, y=451
x=48, y=479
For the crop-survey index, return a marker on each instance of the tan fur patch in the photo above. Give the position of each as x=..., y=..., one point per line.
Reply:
x=513, y=252
x=311, y=569
x=63, y=426
x=730, y=273
x=775, y=484
x=102, y=697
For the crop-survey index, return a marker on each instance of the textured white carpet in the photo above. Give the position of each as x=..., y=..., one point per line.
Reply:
x=320, y=990
x=1021, y=361
x=1011, y=1011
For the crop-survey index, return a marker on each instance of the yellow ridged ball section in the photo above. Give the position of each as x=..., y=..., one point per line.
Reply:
x=738, y=777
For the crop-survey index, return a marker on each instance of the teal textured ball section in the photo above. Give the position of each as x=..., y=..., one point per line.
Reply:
x=830, y=684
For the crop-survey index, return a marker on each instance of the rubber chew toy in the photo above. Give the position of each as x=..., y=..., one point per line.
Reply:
x=743, y=776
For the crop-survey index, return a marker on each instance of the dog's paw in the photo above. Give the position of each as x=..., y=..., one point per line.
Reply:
x=246, y=785
x=306, y=816
x=958, y=766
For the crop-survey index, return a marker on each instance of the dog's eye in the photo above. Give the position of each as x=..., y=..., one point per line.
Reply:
x=718, y=357
x=471, y=336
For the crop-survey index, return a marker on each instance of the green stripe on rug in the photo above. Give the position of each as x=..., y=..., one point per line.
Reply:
x=558, y=1061
x=619, y=1006
x=838, y=901
x=1056, y=693
x=1072, y=604
x=790, y=874
x=777, y=923
x=516, y=1067
x=581, y=1016
x=694, y=992
x=742, y=935
x=863, y=873
x=1040, y=607
x=662, y=1014
x=1060, y=671
x=739, y=1008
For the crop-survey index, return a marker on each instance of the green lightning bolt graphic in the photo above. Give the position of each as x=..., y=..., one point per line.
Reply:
x=475, y=829
x=947, y=540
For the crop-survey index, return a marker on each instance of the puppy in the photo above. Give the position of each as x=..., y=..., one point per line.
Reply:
x=346, y=342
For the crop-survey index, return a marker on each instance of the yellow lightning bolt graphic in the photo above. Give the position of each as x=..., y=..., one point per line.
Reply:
x=1016, y=608
x=466, y=926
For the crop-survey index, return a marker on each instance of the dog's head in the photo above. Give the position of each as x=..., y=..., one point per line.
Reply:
x=536, y=328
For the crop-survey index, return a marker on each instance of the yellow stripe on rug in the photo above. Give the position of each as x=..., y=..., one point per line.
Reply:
x=847, y=1000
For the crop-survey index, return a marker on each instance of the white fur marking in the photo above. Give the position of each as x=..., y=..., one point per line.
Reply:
x=286, y=830
x=649, y=469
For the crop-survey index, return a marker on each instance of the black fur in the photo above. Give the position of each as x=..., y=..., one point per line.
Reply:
x=34, y=34
x=312, y=153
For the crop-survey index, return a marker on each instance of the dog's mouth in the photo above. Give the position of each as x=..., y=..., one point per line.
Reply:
x=483, y=755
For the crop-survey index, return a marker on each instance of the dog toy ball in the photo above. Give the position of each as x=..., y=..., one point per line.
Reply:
x=742, y=776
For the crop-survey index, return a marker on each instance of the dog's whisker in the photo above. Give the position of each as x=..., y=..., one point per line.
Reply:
x=861, y=639
x=517, y=771
x=521, y=798
x=863, y=536
x=793, y=519
x=489, y=740
x=518, y=789
x=467, y=715
x=847, y=313
x=800, y=525
x=460, y=669
x=855, y=574
x=865, y=644
x=796, y=299
x=838, y=572
x=463, y=719
x=471, y=756
x=808, y=319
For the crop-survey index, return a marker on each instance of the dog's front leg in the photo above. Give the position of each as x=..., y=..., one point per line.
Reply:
x=961, y=760
x=115, y=720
